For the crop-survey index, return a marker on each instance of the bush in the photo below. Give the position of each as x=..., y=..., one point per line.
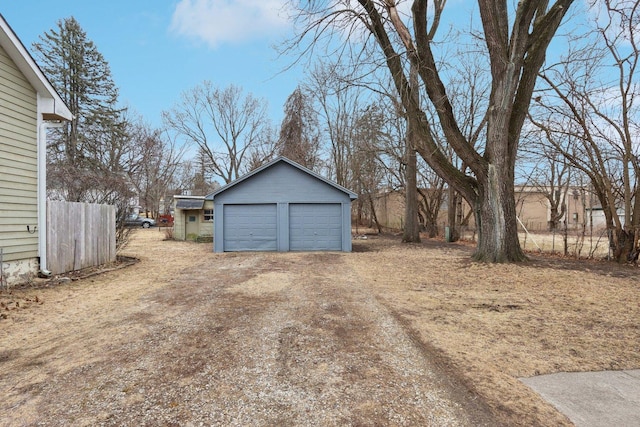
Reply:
x=168, y=233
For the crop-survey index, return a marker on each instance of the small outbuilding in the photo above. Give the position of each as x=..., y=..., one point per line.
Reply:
x=192, y=218
x=282, y=206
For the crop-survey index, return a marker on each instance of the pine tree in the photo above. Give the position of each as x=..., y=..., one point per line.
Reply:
x=299, y=134
x=86, y=159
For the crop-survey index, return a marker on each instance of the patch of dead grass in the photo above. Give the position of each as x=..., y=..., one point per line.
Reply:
x=492, y=324
x=499, y=322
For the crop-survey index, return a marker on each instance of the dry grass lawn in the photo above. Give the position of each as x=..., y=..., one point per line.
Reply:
x=89, y=345
x=497, y=323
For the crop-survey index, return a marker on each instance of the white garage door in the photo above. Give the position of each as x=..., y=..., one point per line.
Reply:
x=250, y=228
x=315, y=227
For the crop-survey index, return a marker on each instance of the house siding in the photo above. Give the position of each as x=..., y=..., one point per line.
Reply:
x=18, y=163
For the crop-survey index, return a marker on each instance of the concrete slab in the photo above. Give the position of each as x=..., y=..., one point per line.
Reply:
x=592, y=399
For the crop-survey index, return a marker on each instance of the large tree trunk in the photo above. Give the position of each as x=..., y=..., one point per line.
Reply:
x=620, y=244
x=374, y=215
x=411, y=232
x=496, y=223
x=624, y=245
x=515, y=55
x=453, y=215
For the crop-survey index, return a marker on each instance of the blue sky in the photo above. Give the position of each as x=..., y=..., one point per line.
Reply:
x=158, y=49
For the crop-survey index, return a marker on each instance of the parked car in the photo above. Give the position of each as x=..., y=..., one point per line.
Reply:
x=136, y=220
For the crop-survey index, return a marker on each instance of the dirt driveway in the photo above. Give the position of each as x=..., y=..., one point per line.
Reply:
x=188, y=337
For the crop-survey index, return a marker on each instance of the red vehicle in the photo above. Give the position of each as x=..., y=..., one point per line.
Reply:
x=165, y=220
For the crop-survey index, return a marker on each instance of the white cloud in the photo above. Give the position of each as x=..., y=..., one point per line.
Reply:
x=229, y=21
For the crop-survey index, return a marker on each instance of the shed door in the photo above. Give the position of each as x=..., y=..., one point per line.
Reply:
x=315, y=227
x=191, y=221
x=250, y=228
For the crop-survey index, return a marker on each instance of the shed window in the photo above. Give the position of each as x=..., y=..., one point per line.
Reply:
x=208, y=215
x=192, y=218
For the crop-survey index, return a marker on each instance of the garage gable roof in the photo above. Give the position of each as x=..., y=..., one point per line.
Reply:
x=281, y=159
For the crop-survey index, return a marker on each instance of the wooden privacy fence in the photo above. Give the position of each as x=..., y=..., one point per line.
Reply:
x=79, y=235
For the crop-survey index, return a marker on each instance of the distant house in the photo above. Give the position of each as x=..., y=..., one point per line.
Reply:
x=532, y=209
x=192, y=218
x=28, y=105
x=282, y=206
x=597, y=219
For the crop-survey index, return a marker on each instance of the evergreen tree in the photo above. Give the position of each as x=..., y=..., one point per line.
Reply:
x=87, y=158
x=299, y=134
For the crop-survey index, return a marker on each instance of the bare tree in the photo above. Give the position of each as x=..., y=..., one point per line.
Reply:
x=424, y=196
x=431, y=189
x=191, y=178
x=265, y=151
x=469, y=87
x=411, y=232
x=225, y=125
x=367, y=171
x=339, y=105
x=516, y=42
x=591, y=116
x=549, y=172
x=157, y=158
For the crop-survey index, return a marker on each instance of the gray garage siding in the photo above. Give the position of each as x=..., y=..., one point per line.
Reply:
x=302, y=222
x=281, y=183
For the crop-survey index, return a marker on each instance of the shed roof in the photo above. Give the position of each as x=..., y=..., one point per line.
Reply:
x=281, y=159
x=49, y=102
x=189, y=203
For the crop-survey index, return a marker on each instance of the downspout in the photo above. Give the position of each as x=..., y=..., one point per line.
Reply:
x=42, y=192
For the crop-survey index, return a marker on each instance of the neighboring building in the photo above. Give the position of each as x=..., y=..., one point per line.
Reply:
x=532, y=208
x=192, y=218
x=282, y=206
x=596, y=218
x=28, y=105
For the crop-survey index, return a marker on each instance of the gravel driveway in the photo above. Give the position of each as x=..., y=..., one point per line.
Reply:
x=187, y=337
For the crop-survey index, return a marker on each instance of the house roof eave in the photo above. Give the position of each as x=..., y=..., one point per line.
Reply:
x=50, y=104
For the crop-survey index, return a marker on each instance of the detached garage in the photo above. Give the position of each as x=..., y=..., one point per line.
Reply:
x=282, y=206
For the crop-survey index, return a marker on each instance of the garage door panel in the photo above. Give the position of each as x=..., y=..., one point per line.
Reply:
x=315, y=226
x=250, y=228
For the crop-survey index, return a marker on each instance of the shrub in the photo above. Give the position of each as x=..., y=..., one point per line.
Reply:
x=168, y=233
